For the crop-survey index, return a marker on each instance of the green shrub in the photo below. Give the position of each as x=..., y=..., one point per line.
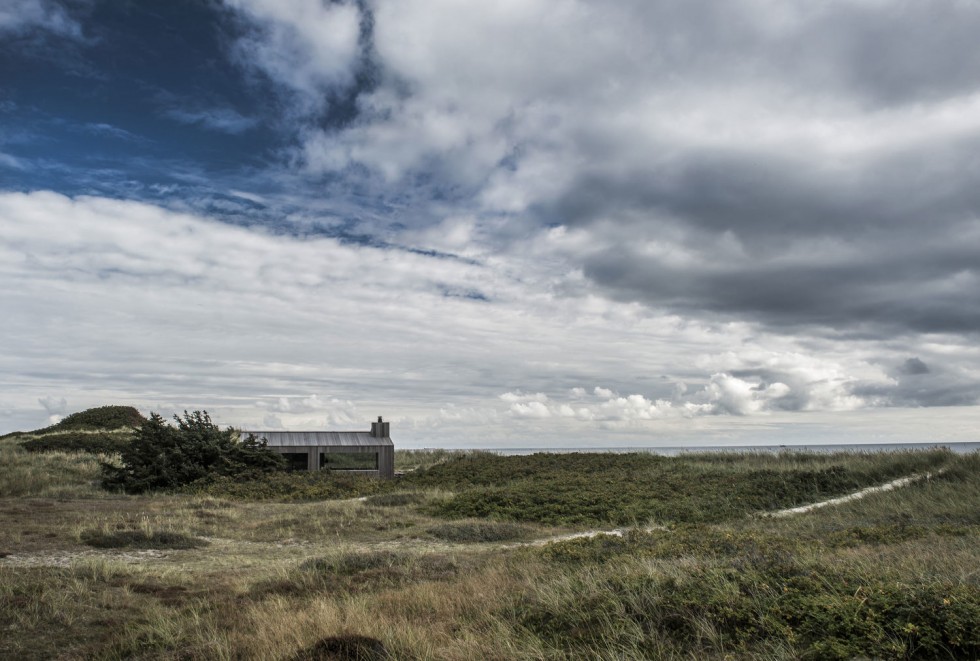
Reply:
x=164, y=457
x=290, y=486
x=397, y=499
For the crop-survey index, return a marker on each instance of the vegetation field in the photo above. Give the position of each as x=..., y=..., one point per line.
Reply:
x=473, y=556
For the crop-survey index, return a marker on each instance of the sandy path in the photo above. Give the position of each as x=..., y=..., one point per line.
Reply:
x=857, y=495
x=792, y=511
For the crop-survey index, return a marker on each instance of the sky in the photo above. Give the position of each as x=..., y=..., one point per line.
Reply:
x=521, y=223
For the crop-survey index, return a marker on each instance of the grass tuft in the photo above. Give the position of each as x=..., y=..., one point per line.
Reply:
x=141, y=539
x=480, y=531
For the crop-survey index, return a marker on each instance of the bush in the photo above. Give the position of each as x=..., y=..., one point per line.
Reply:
x=290, y=486
x=164, y=457
x=397, y=499
x=141, y=539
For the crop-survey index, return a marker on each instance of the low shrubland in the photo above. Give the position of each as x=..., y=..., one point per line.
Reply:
x=625, y=489
x=294, y=574
x=597, y=489
x=757, y=606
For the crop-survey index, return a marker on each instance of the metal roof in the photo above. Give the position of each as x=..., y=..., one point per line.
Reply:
x=320, y=438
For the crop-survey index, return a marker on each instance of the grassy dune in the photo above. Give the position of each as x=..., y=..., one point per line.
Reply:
x=436, y=565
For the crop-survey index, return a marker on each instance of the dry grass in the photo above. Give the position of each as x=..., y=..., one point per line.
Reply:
x=48, y=475
x=278, y=578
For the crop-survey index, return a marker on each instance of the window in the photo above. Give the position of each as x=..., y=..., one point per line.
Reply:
x=347, y=461
x=296, y=461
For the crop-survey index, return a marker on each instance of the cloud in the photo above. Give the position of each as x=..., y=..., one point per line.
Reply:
x=308, y=46
x=48, y=15
x=224, y=120
x=793, y=166
x=530, y=410
x=521, y=397
x=110, y=130
x=54, y=406
x=914, y=366
x=809, y=386
x=8, y=161
x=272, y=421
x=309, y=404
x=633, y=217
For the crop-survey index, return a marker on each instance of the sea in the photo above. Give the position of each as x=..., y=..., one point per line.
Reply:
x=673, y=451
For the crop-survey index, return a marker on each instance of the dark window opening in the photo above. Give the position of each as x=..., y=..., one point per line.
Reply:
x=364, y=461
x=296, y=461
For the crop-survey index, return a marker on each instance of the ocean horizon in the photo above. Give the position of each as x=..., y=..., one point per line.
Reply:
x=674, y=450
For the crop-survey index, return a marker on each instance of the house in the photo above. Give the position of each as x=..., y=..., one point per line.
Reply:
x=362, y=452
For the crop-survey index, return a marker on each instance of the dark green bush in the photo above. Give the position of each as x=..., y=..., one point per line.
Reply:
x=290, y=486
x=164, y=457
x=398, y=499
x=139, y=539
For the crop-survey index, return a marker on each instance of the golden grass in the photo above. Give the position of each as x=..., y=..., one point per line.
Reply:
x=215, y=602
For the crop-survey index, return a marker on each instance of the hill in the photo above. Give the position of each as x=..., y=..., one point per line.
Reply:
x=101, y=418
x=101, y=429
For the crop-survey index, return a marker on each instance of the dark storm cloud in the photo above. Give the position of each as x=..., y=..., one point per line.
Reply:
x=880, y=53
x=880, y=228
x=915, y=384
x=914, y=366
x=904, y=292
x=893, y=241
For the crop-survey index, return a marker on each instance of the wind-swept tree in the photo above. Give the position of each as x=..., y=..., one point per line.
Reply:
x=163, y=456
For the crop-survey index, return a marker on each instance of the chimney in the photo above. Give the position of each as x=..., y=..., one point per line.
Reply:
x=379, y=429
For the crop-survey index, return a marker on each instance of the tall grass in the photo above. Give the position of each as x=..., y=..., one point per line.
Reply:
x=867, y=579
x=48, y=475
